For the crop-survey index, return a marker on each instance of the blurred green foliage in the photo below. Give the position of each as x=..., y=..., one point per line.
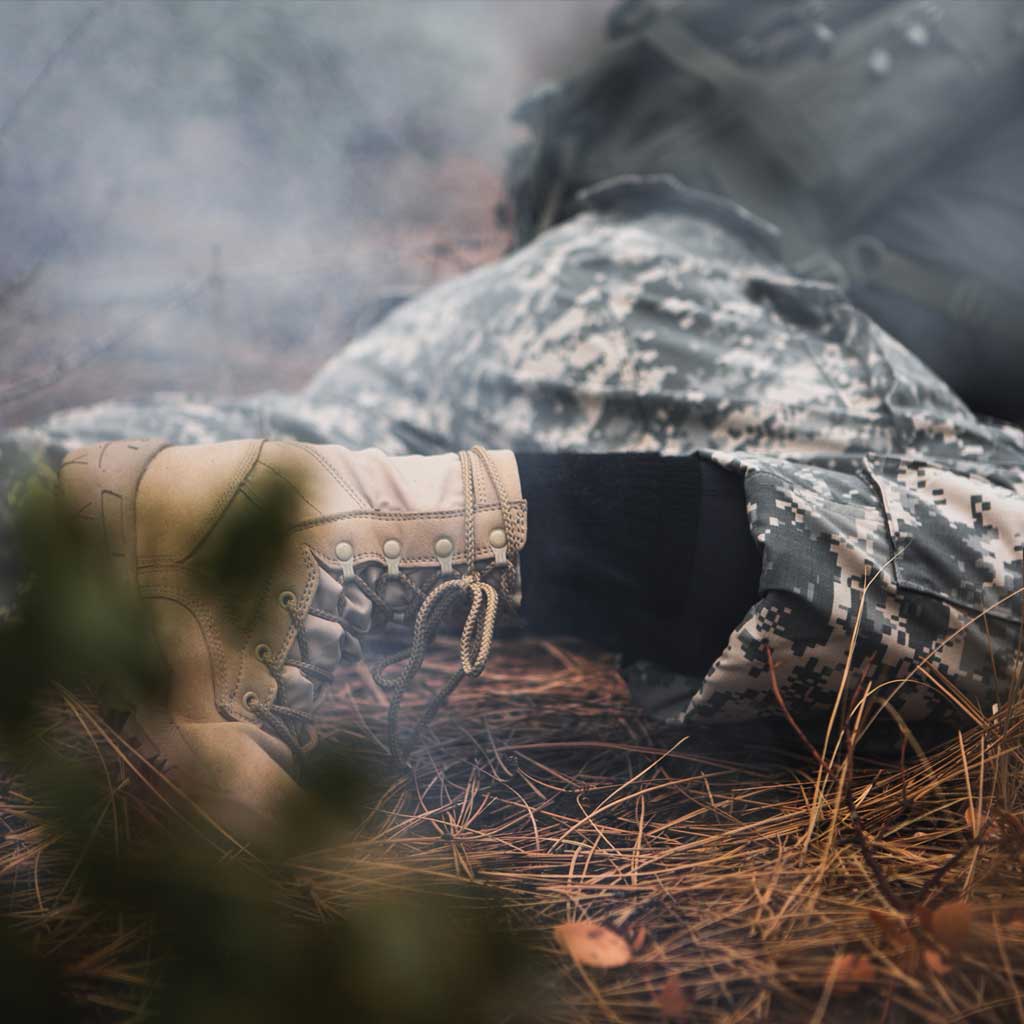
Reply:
x=229, y=935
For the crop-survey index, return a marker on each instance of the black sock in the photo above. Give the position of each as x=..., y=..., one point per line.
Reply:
x=638, y=553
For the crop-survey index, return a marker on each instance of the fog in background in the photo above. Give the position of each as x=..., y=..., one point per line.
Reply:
x=206, y=195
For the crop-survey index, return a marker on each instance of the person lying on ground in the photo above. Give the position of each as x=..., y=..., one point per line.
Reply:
x=689, y=456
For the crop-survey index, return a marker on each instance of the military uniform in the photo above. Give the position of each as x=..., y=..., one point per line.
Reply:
x=885, y=139
x=662, y=319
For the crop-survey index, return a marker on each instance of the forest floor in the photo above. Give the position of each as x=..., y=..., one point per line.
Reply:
x=655, y=876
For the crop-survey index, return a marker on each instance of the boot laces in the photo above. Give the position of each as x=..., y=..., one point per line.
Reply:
x=482, y=595
x=477, y=635
x=290, y=724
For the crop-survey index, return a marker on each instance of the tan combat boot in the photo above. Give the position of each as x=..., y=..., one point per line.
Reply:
x=372, y=542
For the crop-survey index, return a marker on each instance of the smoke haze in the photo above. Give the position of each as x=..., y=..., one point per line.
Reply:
x=204, y=195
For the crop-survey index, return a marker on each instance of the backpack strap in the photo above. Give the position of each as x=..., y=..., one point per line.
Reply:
x=982, y=306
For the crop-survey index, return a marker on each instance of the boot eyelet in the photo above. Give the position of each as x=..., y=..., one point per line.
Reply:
x=392, y=553
x=286, y=599
x=346, y=555
x=499, y=545
x=444, y=549
x=251, y=700
x=263, y=652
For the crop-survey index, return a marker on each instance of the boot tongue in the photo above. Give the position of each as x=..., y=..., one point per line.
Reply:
x=356, y=611
x=328, y=643
x=325, y=644
x=328, y=593
x=296, y=691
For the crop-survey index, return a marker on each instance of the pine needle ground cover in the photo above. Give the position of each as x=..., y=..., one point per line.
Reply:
x=549, y=855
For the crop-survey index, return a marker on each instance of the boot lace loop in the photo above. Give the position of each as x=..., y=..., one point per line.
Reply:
x=433, y=606
x=477, y=634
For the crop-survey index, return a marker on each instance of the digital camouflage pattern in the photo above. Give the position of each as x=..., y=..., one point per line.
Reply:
x=659, y=319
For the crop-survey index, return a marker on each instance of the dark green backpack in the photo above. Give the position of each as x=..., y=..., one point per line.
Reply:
x=812, y=115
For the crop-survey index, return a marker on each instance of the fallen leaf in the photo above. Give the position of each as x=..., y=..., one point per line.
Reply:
x=935, y=962
x=892, y=928
x=674, y=1002
x=951, y=924
x=850, y=971
x=593, y=945
x=1001, y=826
x=909, y=959
x=1008, y=828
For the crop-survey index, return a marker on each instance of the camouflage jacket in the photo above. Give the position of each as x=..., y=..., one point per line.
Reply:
x=890, y=518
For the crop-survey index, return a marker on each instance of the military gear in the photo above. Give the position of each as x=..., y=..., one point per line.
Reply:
x=815, y=117
x=372, y=544
x=661, y=319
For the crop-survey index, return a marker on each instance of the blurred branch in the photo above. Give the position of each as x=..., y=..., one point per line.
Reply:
x=69, y=43
x=85, y=353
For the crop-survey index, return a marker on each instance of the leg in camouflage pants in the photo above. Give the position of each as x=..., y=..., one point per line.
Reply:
x=660, y=320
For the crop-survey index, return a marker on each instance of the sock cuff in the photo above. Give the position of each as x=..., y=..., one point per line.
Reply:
x=611, y=548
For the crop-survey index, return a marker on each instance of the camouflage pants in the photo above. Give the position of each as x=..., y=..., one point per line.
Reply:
x=889, y=517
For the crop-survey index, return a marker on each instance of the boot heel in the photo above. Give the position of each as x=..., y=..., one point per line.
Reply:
x=97, y=486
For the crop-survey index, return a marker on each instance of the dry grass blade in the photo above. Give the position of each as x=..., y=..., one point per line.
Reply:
x=740, y=889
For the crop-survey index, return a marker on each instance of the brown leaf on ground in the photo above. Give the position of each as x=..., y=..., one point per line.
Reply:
x=674, y=1002
x=935, y=962
x=1001, y=826
x=909, y=958
x=1008, y=829
x=1014, y=922
x=850, y=971
x=893, y=929
x=593, y=945
x=950, y=924
x=973, y=820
